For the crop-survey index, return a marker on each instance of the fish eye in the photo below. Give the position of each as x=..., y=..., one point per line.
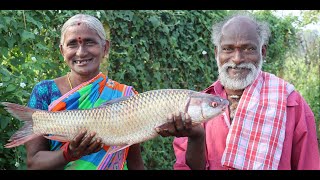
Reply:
x=214, y=104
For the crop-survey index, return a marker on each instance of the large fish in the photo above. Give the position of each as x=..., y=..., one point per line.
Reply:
x=120, y=122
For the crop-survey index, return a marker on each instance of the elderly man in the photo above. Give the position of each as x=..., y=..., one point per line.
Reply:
x=268, y=125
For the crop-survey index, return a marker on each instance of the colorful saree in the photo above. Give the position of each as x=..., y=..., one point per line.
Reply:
x=88, y=95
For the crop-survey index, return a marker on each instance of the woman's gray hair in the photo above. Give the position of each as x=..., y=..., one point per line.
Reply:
x=263, y=29
x=90, y=21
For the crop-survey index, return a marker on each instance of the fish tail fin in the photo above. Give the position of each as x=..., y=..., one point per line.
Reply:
x=25, y=133
x=20, y=112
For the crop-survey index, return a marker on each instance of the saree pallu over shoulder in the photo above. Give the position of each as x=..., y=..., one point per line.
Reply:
x=88, y=95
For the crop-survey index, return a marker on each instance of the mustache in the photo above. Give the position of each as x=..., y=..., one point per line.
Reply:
x=231, y=64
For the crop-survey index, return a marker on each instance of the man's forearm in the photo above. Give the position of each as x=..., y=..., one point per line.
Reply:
x=195, y=157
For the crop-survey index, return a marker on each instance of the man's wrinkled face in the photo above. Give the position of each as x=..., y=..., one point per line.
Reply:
x=239, y=55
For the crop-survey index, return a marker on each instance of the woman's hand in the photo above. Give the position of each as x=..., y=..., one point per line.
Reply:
x=82, y=145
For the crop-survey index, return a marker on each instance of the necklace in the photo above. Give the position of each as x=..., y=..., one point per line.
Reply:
x=69, y=81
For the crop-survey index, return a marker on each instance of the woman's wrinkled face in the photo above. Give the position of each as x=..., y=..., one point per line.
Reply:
x=83, y=49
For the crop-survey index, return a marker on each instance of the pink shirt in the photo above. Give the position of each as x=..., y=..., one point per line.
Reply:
x=300, y=148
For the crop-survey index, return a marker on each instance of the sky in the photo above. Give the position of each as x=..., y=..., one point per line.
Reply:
x=299, y=14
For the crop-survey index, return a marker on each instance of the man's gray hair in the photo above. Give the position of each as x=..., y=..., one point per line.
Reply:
x=262, y=29
x=90, y=21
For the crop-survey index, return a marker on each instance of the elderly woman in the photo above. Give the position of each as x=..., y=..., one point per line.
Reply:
x=83, y=45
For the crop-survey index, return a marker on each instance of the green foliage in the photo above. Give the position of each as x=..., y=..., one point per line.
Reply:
x=149, y=50
x=310, y=17
x=306, y=83
x=158, y=153
x=161, y=44
x=282, y=40
x=302, y=64
x=304, y=71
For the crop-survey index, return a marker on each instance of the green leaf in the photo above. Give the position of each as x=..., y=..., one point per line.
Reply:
x=157, y=75
x=10, y=41
x=27, y=35
x=128, y=15
x=10, y=88
x=41, y=46
x=8, y=20
x=4, y=122
x=30, y=19
x=155, y=21
x=156, y=66
x=6, y=79
x=140, y=67
x=145, y=55
x=165, y=29
x=132, y=69
x=17, y=61
x=4, y=51
x=2, y=26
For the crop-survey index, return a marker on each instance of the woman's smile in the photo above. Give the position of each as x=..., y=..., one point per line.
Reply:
x=82, y=62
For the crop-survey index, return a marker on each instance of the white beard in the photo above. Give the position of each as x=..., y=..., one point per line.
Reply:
x=237, y=83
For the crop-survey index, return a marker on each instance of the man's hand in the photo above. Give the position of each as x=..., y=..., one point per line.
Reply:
x=180, y=125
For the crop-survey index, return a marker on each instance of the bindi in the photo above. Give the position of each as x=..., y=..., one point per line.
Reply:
x=80, y=40
x=79, y=23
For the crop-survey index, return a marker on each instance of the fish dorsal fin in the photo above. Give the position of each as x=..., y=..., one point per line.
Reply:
x=113, y=101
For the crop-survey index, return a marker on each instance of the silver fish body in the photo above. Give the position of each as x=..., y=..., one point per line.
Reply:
x=129, y=120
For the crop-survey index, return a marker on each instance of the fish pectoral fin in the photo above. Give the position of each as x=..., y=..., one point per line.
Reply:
x=57, y=138
x=115, y=149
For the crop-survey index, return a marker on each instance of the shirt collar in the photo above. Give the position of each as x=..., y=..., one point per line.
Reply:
x=216, y=88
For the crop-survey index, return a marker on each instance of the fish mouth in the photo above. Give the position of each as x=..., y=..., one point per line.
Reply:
x=224, y=104
x=82, y=62
x=224, y=108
